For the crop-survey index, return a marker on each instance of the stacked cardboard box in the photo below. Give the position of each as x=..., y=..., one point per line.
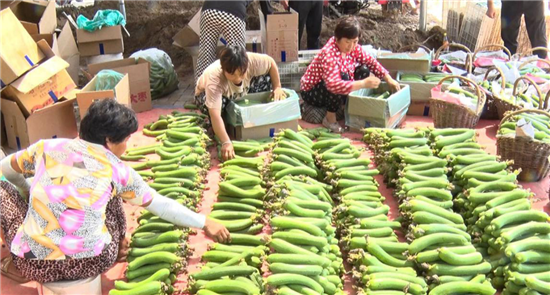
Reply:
x=37, y=90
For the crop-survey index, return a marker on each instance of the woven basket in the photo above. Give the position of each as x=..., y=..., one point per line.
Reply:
x=504, y=106
x=530, y=51
x=529, y=155
x=451, y=115
x=468, y=64
x=484, y=48
x=534, y=60
x=490, y=110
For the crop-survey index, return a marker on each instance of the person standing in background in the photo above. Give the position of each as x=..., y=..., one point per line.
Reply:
x=223, y=18
x=510, y=18
x=310, y=15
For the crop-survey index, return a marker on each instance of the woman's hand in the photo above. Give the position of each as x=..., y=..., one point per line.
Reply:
x=491, y=9
x=228, y=152
x=394, y=86
x=278, y=94
x=371, y=82
x=216, y=231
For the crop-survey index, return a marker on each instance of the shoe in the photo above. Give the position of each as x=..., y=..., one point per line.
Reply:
x=334, y=127
x=6, y=261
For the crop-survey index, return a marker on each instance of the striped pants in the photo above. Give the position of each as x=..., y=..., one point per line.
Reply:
x=213, y=25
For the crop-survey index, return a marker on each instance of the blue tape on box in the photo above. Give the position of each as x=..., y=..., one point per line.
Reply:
x=101, y=48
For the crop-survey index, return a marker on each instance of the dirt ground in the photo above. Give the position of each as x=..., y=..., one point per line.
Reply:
x=154, y=23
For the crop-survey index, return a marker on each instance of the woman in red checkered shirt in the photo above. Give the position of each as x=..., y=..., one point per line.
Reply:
x=341, y=67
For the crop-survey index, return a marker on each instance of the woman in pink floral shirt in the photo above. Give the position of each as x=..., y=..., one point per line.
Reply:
x=341, y=67
x=68, y=222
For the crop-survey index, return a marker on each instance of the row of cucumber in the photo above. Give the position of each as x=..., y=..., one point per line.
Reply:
x=420, y=78
x=236, y=266
x=440, y=247
x=501, y=221
x=158, y=248
x=541, y=124
x=368, y=235
x=305, y=257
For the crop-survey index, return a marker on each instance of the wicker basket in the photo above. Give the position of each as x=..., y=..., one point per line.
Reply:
x=547, y=62
x=504, y=106
x=529, y=155
x=530, y=51
x=468, y=64
x=451, y=115
x=490, y=110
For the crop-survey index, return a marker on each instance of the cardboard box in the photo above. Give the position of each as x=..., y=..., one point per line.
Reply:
x=264, y=113
x=254, y=41
x=38, y=17
x=406, y=62
x=19, y=51
x=379, y=112
x=107, y=40
x=138, y=76
x=280, y=35
x=88, y=94
x=358, y=123
x=420, y=108
x=420, y=91
x=65, y=47
x=54, y=121
x=259, y=132
x=43, y=85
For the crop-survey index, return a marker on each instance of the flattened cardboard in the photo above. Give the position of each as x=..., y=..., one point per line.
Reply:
x=138, y=74
x=68, y=50
x=38, y=17
x=259, y=132
x=88, y=95
x=280, y=35
x=107, y=40
x=65, y=47
x=19, y=51
x=55, y=121
x=43, y=85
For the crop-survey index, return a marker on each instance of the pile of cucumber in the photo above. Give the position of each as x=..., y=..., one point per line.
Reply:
x=363, y=223
x=541, y=124
x=440, y=247
x=158, y=250
x=499, y=217
x=247, y=149
x=419, y=78
x=305, y=257
x=236, y=266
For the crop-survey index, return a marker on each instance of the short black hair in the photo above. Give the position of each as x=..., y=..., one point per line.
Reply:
x=107, y=119
x=349, y=27
x=232, y=58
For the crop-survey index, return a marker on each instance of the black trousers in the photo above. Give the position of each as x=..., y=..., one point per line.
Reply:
x=320, y=96
x=534, y=21
x=310, y=15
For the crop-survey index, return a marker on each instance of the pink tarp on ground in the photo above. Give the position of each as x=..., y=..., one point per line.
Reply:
x=486, y=129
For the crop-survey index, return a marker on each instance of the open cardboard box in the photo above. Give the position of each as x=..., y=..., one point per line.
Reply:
x=88, y=94
x=54, y=121
x=264, y=113
x=384, y=113
x=19, y=51
x=64, y=46
x=43, y=85
x=38, y=17
x=107, y=40
x=420, y=62
x=138, y=77
x=259, y=132
x=280, y=35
